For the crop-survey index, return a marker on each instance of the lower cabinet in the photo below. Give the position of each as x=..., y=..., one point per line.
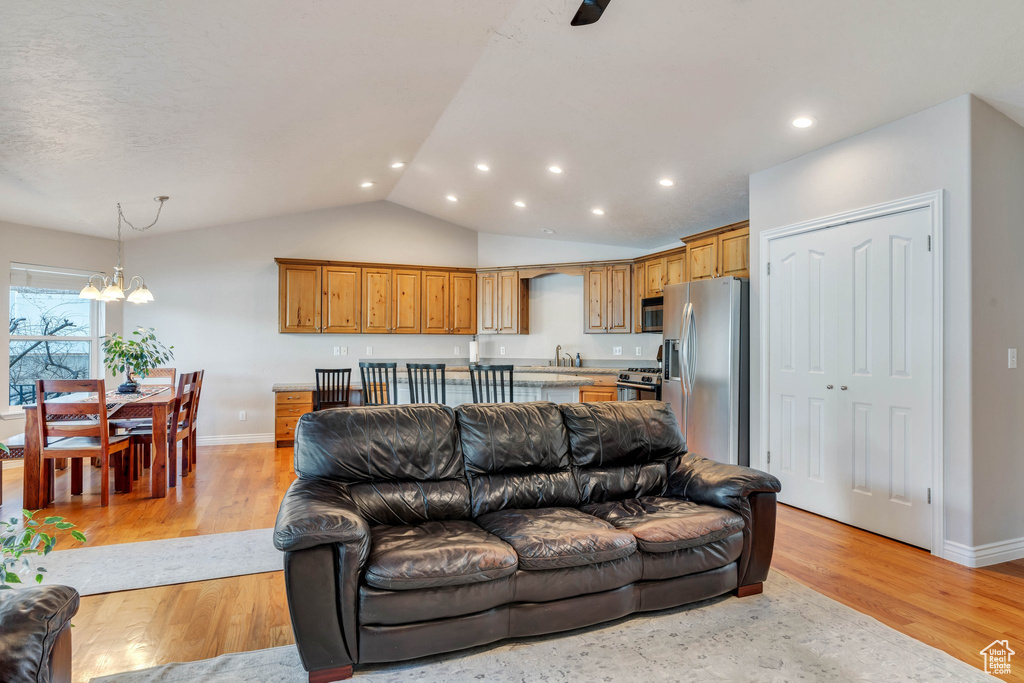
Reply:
x=289, y=406
x=598, y=393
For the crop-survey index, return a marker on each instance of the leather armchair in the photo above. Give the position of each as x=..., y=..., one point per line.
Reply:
x=35, y=634
x=747, y=491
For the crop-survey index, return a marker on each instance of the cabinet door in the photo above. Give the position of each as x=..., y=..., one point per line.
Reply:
x=487, y=288
x=734, y=253
x=435, y=302
x=619, y=295
x=405, y=301
x=341, y=300
x=508, y=302
x=639, y=292
x=675, y=268
x=595, y=300
x=462, y=304
x=376, y=300
x=299, y=299
x=655, y=276
x=596, y=394
x=702, y=258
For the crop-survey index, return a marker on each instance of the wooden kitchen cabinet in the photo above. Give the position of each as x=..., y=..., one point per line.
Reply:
x=597, y=393
x=341, y=299
x=702, y=258
x=654, y=276
x=734, y=253
x=376, y=300
x=405, y=301
x=675, y=268
x=299, y=298
x=449, y=302
x=504, y=302
x=391, y=301
x=608, y=299
x=723, y=252
x=289, y=406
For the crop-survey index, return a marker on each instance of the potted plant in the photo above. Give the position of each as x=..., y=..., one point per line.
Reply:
x=18, y=542
x=135, y=356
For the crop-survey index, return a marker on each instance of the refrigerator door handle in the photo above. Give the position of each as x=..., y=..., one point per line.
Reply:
x=684, y=350
x=691, y=349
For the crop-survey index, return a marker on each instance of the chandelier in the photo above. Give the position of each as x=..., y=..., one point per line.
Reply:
x=112, y=287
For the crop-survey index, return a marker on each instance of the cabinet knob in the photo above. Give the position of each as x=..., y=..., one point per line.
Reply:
x=828, y=386
x=843, y=388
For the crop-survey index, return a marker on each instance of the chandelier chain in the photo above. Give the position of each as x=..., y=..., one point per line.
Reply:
x=122, y=219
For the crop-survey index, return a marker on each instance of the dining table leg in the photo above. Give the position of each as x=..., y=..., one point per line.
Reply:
x=33, y=484
x=159, y=448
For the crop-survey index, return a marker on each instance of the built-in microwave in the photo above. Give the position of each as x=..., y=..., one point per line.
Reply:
x=652, y=314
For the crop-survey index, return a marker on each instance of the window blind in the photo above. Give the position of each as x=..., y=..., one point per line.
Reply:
x=43, y=277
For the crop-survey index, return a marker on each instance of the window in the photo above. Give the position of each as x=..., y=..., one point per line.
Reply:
x=52, y=333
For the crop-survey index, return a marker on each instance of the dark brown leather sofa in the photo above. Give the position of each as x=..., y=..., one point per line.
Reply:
x=415, y=530
x=35, y=634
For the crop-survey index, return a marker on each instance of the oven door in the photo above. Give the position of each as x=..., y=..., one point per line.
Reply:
x=629, y=391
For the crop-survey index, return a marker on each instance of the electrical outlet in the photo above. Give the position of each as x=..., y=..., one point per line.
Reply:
x=501, y=350
x=458, y=350
x=616, y=350
x=369, y=350
x=241, y=415
x=337, y=350
x=1012, y=359
x=344, y=351
x=639, y=350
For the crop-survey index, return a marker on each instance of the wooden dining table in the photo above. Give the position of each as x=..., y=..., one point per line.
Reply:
x=39, y=481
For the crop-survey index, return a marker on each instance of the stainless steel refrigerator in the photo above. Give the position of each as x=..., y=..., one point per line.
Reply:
x=706, y=365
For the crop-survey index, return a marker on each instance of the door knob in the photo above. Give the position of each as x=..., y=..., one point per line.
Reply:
x=829, y=386
x=843, y=387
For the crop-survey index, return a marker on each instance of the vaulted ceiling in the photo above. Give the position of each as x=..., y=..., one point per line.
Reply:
x=242, y=109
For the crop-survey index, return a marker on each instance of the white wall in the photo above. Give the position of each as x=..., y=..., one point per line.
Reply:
x=997, y=230
x=924, y=152
x=556, y=317
x=506, y=250
x=216, y=300
x=36, y=246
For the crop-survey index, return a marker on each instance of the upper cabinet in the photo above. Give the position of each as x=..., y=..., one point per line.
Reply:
x=724, y=252
x=504, y=302
x=352, y=298
x=607, y=298
x=702, y=258
x=734, y=252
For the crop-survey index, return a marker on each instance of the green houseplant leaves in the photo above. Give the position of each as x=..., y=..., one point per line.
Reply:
x=135, y=356
x=21, y=541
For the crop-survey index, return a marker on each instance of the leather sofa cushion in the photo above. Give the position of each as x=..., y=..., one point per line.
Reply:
x=31, y=618
x=666, y=524
x=621, y=432
x=385, y=607
x=701, y=558
x=551, y=538
x=516, y=456
x=444, y=553
x=568, y=582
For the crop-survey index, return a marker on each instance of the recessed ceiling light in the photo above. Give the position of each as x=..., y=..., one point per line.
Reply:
x=555, y=169
x=483, y=167
x=597, y=212
x=547, y=231
x=520, y=203
x=804, y=121
x=666, y=182
x=367, y=184
x=452, y=198
x=398, y=164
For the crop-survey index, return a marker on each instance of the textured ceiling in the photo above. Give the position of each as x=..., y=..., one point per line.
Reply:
x=242, y=109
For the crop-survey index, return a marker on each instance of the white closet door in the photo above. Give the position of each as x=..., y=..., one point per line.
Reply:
x=803, y=366
x=885, y=361
x=850, y=308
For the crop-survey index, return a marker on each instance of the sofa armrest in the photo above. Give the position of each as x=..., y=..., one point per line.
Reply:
x=319, y=512
x=747, y=491
x=713, y=483
x=31, y=622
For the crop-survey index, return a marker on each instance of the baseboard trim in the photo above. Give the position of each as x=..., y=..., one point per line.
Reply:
x=228, y=439
x=985, y=554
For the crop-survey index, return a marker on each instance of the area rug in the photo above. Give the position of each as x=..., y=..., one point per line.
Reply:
x=127, y=566
x=789, y=633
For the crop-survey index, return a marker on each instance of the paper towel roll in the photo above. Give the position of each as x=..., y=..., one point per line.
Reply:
x=474, y=352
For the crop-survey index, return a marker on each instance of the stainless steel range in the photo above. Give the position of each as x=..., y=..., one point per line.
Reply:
x=639, y=384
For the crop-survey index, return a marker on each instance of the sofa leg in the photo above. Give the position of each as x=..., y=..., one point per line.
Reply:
x=752, y=589
x=339, y=673
x=60, y=656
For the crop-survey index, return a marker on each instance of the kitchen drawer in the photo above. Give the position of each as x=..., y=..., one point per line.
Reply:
x=286, y=397
x=293, y=409
x=284, y=428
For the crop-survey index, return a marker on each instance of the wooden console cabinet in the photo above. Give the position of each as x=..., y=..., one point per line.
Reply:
x=289, y=406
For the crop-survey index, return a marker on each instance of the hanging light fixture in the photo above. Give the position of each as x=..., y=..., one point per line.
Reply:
x=112, y=287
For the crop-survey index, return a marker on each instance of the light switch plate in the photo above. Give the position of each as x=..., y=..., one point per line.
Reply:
x=337, y=350
x=369, y=350
x=241, y=415
x=1012, y=359
x=616, y=350
x=501, y=350
x=639, y=350
x=458, y=350
x=344, y=350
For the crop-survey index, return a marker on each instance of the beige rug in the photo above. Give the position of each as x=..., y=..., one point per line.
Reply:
x=789, y=633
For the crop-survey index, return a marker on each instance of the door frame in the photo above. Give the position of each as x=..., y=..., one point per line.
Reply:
x=934, y=202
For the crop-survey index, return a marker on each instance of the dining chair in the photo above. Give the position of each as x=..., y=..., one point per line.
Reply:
x=489, y=383
x=332, y=388
x=61, y=435
x=159, y=376
x=193, y=443
x=426, y=382
x=378, y=388
x=179, y=428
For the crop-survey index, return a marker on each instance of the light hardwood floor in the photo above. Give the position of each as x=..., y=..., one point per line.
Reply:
x=953, y=608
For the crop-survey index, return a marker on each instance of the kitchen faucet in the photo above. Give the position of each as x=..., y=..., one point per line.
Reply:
x=558, y=355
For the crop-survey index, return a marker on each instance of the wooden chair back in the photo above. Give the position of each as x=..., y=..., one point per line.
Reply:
x=65, y=411
x=197, y=391
x=181, y=412
x=426, y=382
x=378, y=388
x=332, y=388
x=489, y=383
x=159, y=377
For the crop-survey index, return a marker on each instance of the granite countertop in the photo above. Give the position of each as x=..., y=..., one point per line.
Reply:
x=549, y=370
x=456, y=378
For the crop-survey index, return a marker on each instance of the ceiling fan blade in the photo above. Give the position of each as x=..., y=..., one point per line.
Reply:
x=589, y=12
